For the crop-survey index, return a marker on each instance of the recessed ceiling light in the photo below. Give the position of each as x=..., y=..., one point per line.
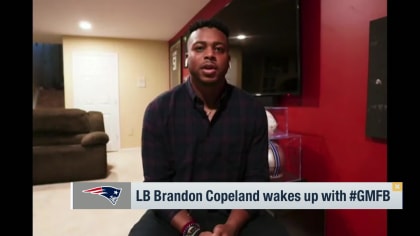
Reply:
x=241, y=36
x=85, y=25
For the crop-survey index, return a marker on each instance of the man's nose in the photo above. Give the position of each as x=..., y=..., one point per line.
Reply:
x=209, y=53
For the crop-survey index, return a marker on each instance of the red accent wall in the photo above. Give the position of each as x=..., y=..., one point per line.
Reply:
x=331, y=112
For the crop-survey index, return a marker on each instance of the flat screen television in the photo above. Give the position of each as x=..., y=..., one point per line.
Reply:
x=267, y=61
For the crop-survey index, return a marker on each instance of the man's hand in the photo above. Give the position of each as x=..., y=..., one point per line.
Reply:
x=224, y=230
x=234, y=223
x=206, y=233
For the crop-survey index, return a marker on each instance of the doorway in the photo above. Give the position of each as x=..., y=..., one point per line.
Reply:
x=95, y=88
x=47, y=76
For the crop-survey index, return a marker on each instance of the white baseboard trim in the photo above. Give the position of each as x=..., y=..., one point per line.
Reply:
x=130, y=149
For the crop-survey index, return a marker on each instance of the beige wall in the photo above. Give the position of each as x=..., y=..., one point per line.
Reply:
x=136, y=58
x=234, y=74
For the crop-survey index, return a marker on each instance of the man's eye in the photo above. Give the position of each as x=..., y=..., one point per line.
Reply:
x=219, y=49
x=199, y=48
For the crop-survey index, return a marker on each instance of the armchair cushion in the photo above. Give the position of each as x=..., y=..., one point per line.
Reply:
x=55, y=120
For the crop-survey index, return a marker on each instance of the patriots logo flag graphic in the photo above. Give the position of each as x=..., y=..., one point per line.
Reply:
x=108, y=192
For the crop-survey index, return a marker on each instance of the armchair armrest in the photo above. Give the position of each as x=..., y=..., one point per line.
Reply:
x=94, y=138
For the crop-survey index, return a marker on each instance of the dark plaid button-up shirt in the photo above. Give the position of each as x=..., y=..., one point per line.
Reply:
x=180, y=144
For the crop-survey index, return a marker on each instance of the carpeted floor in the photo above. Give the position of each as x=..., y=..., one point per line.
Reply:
x=52, y=215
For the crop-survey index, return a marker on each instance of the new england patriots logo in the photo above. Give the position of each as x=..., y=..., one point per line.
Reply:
x=108, y=192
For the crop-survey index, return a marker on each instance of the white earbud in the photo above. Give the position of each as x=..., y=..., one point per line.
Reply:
x=186, y=60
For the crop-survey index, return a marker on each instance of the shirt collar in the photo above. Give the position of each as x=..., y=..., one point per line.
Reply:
x=196, y=100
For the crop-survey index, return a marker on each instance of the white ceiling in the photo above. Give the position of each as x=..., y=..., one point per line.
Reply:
x=131, y=19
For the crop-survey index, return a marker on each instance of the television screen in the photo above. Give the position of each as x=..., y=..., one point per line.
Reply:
x=264, y=46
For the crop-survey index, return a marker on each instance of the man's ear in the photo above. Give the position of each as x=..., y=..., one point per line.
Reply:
x=186, y=59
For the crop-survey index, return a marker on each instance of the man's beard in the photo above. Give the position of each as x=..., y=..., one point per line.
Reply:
x=201, y=79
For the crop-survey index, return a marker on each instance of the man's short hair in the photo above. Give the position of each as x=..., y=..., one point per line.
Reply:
x=210, y=23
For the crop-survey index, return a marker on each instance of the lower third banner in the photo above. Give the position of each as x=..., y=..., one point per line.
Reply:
x=233, y=195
